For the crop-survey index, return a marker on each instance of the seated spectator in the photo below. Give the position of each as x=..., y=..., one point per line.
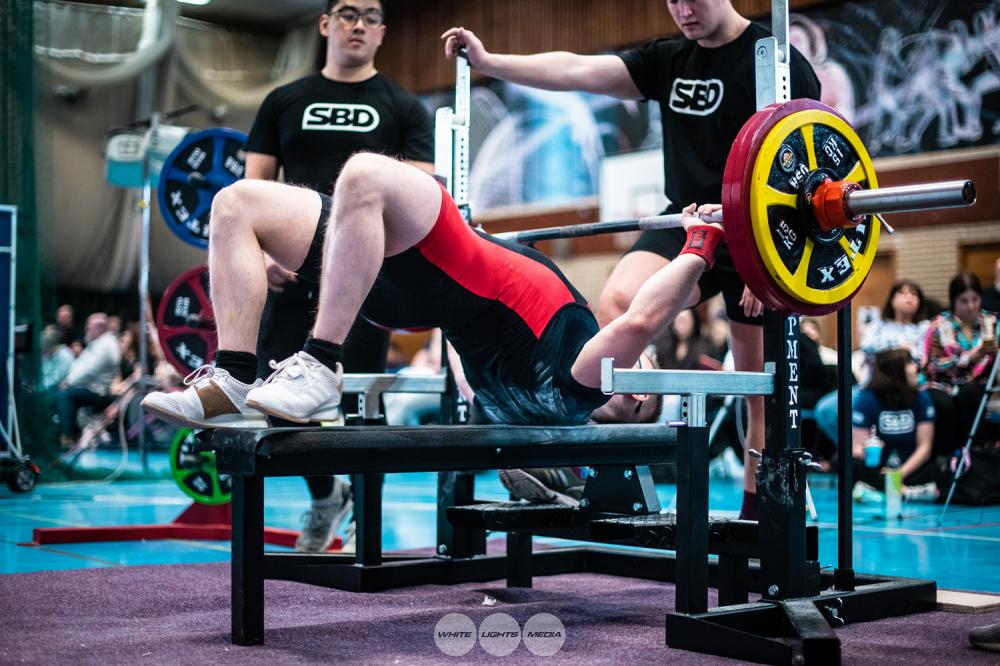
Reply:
x=991, y=294
x=128, y=373
x=811, y=329
x=88, y=382
x=129, y=368
x=960, y=349
x=901, y=415
x=682, y=346
x=56, y=358
x=903, y=325
x=718, y=337
x=72, y=337
x=816, y=378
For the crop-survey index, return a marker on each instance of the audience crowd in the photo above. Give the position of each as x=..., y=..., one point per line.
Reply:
x=920, y=373
x=89, y=373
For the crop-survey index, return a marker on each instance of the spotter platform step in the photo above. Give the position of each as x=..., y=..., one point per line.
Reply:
x=660, y=530
x=508, y=516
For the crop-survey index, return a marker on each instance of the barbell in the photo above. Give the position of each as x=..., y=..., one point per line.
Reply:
x=801, y=208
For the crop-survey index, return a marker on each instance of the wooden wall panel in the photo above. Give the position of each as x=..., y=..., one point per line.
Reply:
x=413, y=54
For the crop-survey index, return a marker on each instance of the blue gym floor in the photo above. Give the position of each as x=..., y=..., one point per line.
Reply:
x=960, y=553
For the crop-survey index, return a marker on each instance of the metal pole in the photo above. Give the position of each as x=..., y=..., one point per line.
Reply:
x=925, y=196
x=145, y=213
x=844, y=574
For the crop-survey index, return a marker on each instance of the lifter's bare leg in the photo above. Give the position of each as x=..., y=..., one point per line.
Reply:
x=248, y=218
x=381, y=207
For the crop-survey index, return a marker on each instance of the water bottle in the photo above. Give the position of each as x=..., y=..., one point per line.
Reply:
x=873, y=449
x=893, y=488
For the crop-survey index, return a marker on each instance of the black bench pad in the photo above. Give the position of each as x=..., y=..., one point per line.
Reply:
x=388, y=449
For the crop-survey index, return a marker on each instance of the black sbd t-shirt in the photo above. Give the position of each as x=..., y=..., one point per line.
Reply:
x=705, y=97
x=314, y=124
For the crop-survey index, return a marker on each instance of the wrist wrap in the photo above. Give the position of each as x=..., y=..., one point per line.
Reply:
x=704, y=240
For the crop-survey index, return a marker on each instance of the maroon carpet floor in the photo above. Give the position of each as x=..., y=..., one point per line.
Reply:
x=179, y=614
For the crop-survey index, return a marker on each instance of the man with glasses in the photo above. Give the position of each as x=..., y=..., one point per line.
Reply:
x=308, y=129
x=704, y=85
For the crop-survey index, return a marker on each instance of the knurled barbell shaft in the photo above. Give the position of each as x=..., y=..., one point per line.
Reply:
x=926, y=196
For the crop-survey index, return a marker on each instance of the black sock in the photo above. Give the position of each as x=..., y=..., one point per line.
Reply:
x=749, y=510
x=327, y=353
x=241, y=365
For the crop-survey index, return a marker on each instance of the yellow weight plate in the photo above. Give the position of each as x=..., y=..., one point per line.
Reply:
x=810, y=272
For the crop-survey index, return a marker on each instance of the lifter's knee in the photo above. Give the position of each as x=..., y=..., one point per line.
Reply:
x=361, y=180
x=233, y=208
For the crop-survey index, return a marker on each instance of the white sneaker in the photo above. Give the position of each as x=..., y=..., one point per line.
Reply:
x=301, y=389
x=927, y=492
x=864, y=493
x=213, y=399
x=319, y=526
x=350, y=538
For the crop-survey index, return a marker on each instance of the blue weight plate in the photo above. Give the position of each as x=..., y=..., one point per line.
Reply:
x=201, y=165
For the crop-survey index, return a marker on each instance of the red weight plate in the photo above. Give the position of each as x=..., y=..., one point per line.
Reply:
x=185, y=322
x=736, y=207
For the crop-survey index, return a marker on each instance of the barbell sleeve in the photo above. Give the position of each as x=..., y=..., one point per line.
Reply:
x=910, y=198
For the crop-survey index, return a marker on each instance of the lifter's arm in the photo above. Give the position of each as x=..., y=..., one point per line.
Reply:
x=556, y=70
x=261, y=166
x=659, y=299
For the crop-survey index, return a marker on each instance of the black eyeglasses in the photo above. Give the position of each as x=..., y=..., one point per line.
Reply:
x=349, y=16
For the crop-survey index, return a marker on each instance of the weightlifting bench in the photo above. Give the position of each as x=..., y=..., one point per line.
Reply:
x=252, y=455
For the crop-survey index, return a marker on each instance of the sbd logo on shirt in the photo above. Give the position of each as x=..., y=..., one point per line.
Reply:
x=332, y=117
x=696, y=97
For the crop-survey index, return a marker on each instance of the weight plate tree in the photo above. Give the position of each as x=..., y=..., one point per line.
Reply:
x=186, y=323
x=192, y=174
x=196, y=473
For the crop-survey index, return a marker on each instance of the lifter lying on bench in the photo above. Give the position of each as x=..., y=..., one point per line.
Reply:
x=399, y=252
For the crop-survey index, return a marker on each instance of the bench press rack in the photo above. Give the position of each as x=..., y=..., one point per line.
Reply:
x=799, y=603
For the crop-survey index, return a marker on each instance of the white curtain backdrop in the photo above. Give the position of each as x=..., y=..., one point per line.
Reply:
x=93, y=56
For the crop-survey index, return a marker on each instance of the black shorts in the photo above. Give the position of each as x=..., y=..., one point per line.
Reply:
x=312, y=267
x=723, y=277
